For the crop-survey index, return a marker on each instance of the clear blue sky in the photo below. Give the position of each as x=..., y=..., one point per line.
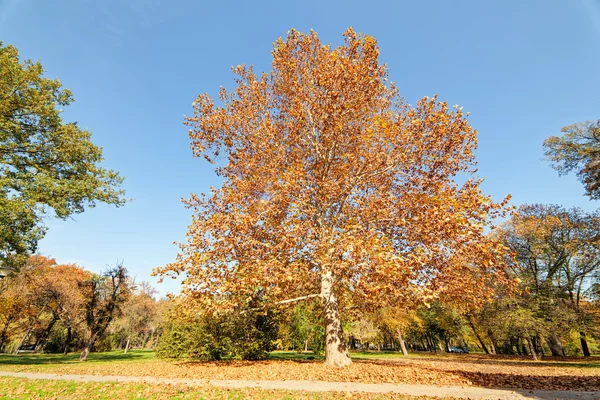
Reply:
x=522, y=68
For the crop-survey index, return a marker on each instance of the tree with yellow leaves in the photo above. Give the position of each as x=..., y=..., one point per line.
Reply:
x=334, y=187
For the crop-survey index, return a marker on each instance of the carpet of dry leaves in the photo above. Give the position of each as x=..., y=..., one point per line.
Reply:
x=463, y=370
x=28, y=389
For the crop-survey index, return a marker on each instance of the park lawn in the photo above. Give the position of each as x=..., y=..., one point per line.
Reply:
x=424, y=368
x=25, y=389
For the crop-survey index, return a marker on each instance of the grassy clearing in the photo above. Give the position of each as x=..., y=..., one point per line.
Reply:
x=25, y=389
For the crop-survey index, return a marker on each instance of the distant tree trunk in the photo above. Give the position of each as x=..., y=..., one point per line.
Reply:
x=483, y=346
x=22, y=341
x=531, y=348
x=4, y=332
x=336, y=351
x=85, y=353
x=447, y=349
x=127, y=345
x=584, y=344
x=492, y=337
x=29, y=329
x=539, y=345
x=44, y=338
x=517, y=345
x=69, y=338
x=430, y=344
x=402, y=344
x=306, y=345
x=87, y=347
x=556, y=347
x=523, y=348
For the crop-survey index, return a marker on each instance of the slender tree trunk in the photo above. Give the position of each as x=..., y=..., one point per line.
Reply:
x=483, y=346
x=127, y=345
x=336, y=351
x=69, y=338
x=3, y=335
x=523, y=348
x=402, y=344
x=493, y=340
x=531, y=348
x=556, y=347
x=25, y=336
x=306, y=345
x=584, y=344
x=42, y=341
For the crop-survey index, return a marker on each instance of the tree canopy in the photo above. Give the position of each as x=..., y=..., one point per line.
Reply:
x=46, y=164
x=578, y=150
x=334, y=186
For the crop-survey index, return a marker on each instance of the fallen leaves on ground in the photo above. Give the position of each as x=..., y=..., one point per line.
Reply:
x=468, y=370
x=21, y=388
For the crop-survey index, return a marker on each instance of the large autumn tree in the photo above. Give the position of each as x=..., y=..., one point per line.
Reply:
x=334, y=187
x=47, y=165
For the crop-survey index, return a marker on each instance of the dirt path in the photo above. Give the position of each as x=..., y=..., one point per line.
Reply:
x=320, y=386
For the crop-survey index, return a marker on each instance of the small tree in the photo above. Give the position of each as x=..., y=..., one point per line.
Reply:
x=104, y=296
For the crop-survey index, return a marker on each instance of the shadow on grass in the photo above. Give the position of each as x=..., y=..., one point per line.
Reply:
x=294, y=356
x=48, y=359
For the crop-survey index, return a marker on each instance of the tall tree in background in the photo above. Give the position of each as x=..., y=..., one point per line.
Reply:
x=558, y=257
x=334, y=187
x=578, y=150
x=45, y=163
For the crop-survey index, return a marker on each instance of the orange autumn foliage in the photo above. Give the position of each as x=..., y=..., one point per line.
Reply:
x=333, y=185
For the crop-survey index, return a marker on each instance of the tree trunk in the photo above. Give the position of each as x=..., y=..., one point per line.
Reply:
x=584, y=345
x=68, y=342
x=402, y=344
x=523, y=348
x=493, y=340
x=85, y=353
x=42, y=341
x=483, y=346
x=3, y=335
x=336, y=351
x=25, y=336
x=555, y=345
x=126, y=346
x=87, y=347
x=306, y=345
x=531, y=348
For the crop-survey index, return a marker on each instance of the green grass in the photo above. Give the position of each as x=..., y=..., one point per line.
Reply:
x=136, y=356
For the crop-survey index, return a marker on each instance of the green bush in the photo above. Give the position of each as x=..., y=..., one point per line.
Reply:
x=246, y=336
x=198, y=340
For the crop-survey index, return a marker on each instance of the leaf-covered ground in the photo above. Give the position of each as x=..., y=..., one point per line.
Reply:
x=467, y=370
x=25, y=389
